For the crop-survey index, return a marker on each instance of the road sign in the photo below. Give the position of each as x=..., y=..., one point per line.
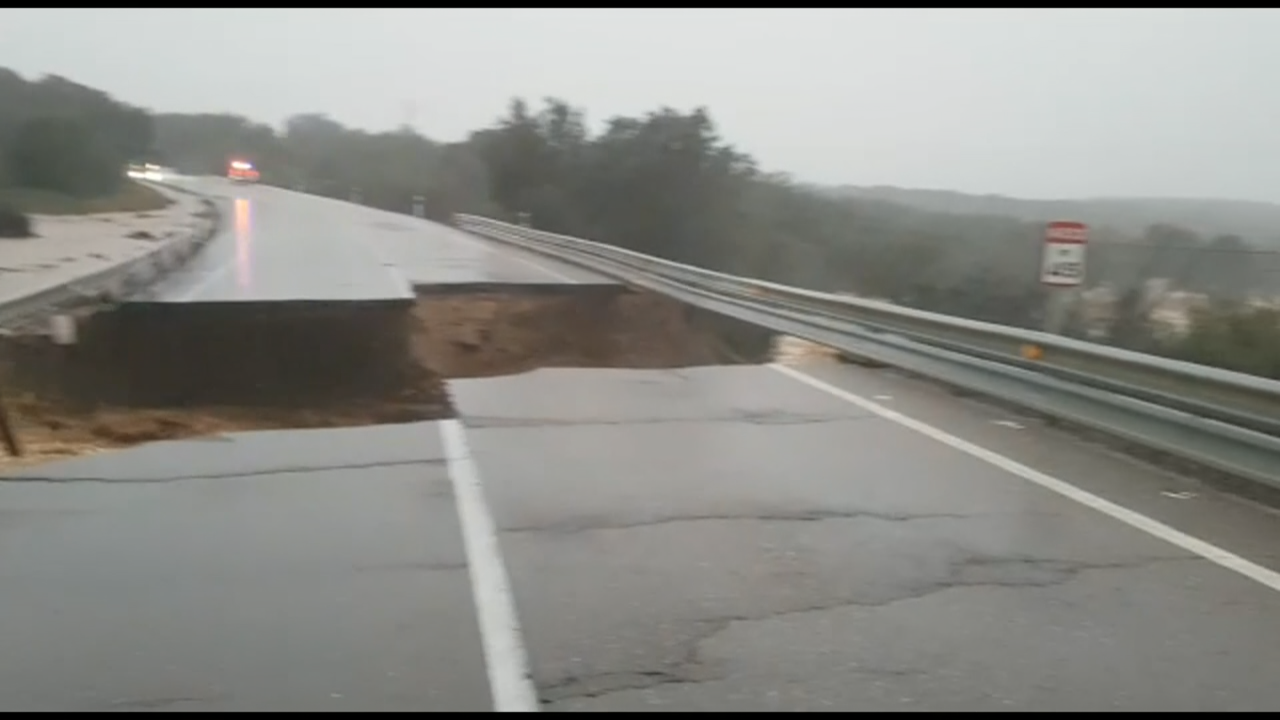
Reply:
x=1062, y=264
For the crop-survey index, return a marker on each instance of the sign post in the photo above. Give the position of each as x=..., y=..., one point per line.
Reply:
x=1062, y=270
x=62, y=328
x=8, y=433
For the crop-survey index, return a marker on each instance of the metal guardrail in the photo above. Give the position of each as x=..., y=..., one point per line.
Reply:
x=1220, y=419
x=117, y=282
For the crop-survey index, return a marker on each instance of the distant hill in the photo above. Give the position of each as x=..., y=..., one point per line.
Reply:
x=1258, y=222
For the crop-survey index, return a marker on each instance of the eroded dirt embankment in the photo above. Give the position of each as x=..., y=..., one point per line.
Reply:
x=148, y=373
x=489, y=334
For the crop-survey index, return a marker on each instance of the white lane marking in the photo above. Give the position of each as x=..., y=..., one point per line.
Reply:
x=209, y=279
x=217, y=273
x=1155, y=528
x=399, y=278
x=518, y=255
x=506, y=660
x=512, y=251
x=388, y=266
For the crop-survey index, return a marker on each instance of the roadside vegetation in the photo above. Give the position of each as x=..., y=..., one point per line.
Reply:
x=63, y=150
x=13, y=222
x=129, y=197
x=668, y=184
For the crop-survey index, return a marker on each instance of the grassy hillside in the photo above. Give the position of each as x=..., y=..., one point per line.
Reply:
x=1255, y=221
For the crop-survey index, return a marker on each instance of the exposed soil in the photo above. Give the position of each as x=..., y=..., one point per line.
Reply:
x=488, y=334
x=48, y=431
x=788, y=350
x=451, y=336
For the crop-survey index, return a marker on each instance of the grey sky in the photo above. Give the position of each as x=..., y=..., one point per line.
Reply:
x=1032, y=103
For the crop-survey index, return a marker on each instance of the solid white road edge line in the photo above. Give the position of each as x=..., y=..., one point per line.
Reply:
x=1155, y=528
x=205, y=282
x=518, y=256
x=506, y=661
x=521, y=255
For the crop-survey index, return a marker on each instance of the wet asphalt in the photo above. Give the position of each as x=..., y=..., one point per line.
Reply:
x=705, y=539
x=691, y=540
x=277, y=245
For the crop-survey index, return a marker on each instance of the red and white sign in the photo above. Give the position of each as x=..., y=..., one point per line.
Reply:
x=1062, y=264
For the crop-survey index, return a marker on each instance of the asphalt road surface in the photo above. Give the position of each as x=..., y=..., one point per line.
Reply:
x=432, y=254
x=740, y=538
x=279, y=245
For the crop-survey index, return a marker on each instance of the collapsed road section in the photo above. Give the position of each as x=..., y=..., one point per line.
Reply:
x=307, y=312
x=151, y=371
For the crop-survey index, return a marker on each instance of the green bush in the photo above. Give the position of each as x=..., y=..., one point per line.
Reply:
x=14, y=224
x=1234, y=337
x=62, y=155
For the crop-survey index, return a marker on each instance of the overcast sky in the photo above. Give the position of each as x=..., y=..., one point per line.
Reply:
x=1031, y=103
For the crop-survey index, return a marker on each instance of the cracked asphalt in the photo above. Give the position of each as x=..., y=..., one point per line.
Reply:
x=316, y=570
x=713, y=539
x=729, y=539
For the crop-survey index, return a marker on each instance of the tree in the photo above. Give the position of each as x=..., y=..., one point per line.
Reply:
x=63, y=155
x=1229, y=335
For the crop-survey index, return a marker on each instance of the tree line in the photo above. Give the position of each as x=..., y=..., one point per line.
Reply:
x=666, y=183
x=62, y=137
